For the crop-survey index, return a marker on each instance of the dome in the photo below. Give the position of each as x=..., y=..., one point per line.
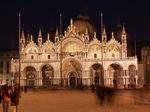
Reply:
x=118, y=32
x=82, y=23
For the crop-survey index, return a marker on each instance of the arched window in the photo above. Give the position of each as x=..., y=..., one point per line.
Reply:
x=32, y=57
x=113, y=55
x=48, y=57
x=95, y=55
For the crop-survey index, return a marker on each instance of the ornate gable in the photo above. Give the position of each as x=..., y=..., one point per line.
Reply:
x=94, y=44
x=48, y=47
x=31, y=47
x=113, y=48
x=113, y=44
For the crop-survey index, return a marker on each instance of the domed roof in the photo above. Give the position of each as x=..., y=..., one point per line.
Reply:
x=82, y=23
x=118, y=32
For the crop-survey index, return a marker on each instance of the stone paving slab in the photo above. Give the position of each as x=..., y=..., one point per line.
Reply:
x=81, y=101
x=58, y=101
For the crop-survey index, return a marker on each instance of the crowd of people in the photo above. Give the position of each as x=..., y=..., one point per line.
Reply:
x=9, y=98
x=104, y=94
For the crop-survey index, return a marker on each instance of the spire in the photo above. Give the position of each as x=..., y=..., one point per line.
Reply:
x=57, y=36
x=124, y=42
x=71, y=23
x=112, y=35
x=56, y=33
x=40, y=38
x=48, y=37
x=31, y=38
x=95, y=36
x=40, y=33
x=86, y=36
x=22, y=39
x=86, y=32
x=22, y=34
x=104, y=31
x=104, y=36
x=123, y=35
x=123, y=31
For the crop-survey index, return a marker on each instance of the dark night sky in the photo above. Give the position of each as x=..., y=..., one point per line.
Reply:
x=45, y=14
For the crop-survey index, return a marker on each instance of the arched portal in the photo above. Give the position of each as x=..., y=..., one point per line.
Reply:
x=72, y=73
x=97, y=74
x=132, y=73
x=72, y=82
x=30, y=77
x=114, y=75
x=47, y=75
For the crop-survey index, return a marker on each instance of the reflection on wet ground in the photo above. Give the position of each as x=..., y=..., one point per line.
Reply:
x=86, y=101
x=113, y=100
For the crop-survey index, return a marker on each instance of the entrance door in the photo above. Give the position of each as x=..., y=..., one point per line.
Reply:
x=31, y=83
x=96, y=79
x=72, y=80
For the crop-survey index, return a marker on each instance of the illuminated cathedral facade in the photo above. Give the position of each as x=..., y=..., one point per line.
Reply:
x=74, y=59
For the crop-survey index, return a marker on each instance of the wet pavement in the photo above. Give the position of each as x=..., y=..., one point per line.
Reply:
x=84, y=101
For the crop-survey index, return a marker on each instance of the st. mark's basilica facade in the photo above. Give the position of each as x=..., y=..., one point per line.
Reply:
x=75, y=59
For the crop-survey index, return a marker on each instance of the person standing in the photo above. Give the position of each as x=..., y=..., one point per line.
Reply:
x=6, y=98
x=0, y=101
x=93, y=88
x=25, y=89
x=15, y=98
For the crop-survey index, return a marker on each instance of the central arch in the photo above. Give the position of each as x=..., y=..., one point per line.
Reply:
x=97, y=74
x=72, y=73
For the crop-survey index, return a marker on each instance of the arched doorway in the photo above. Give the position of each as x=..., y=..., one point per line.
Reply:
x=114, y=75
x=97, y=74
x=47, y=75
x=72, y=80
x=30, y=77
x=72, y=73
x=132, y=73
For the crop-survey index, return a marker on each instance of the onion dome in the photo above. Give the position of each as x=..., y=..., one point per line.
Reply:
x=82, y=23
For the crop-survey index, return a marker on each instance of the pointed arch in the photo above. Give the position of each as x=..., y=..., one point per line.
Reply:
x=71, y=66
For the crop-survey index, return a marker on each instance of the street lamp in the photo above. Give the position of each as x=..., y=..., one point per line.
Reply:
x=147, y=73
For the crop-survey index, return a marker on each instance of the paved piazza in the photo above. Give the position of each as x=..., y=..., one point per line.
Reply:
x=83, y=101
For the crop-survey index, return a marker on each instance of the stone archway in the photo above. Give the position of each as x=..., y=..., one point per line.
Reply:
x=97, y=74
x=30, y=77
x=71, y=73
x=114, y=76
x=47, y=75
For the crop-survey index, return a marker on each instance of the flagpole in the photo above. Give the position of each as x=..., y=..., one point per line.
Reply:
x=18, y=89
x=135, y=43
x=101, y=24
x=19, y=46
x=102, y=47
x=61, y=80
x=60, y=24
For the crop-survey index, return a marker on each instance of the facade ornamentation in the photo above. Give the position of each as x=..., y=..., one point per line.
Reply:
x=74, y=60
